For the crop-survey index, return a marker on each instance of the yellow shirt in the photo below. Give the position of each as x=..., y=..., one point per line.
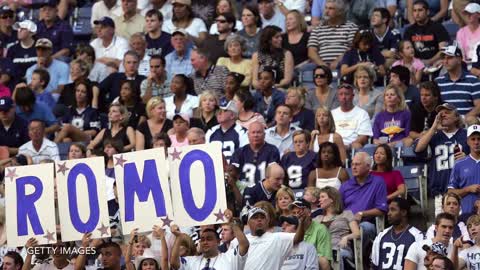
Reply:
x=126, y=28
x=244, y=68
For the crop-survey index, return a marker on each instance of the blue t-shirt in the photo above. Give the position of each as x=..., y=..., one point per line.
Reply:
x=442, y=161
x=257, y=193
x=253, y=165
x=466, y=172
x=159, y=46
x=460, y=93
x=389, y=41
x=355, y=56
x=298, y=168
x=88, y=119
x=59, y=74
x=40, y=111
x=305, y=119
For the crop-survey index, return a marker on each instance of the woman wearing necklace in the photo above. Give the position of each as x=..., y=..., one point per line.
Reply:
x=210, y=257
x=341, y=223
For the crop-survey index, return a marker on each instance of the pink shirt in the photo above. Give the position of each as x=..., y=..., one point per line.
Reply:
x=4, y=91
x=392, y=179
x=176, y=143
x=467, y=40
x=415, y=66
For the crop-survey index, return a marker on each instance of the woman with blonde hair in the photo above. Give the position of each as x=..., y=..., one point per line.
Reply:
x=205, y=114
x=157, y=122
x=392, y=125
x=302, y=117
x=283, y=199
x=341, y=223
x=296, y=37
x=365, y=95
x=118, y=129
x=325, y=132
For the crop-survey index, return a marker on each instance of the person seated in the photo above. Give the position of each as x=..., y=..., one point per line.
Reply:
x=246, y=114
x=266, y=189
x=271, y=54
x=157, y=122
x=355, y=133
x=82, y=122
x=40, y=80
x=300, y=162
x=13, y=129
x=302, y=117
x=109, y=48
x=131, y=100
x=39, y=147
x=323, y=94
x=296, y=37
x=205, y=114
x=386, y=38
x=367, y=96
x=182, y=100
x=325, y=132
x=235, y=47
x=224, y=6
x=267, y=97
x=207, y=75
x=382, y=166
x=184, y=18
x=329, y=171
x=341, y=224
x=400, y=77
x=181, y=124
x=363, y=53
x=408, y=60
x=283, y=198
x=216, y=43
x=281, y=134
x=392, y=125
x=425, y=110
x=233, y=84
x=117, y=129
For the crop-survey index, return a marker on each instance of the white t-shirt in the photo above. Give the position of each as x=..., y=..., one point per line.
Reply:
x=295, y=5
x=417, y=255
x=190, y=103
x=470, y=257
x=117, y=48
x=230, y=260
x=352, y=124
x=166, y=10
x=463, y=229
x=302, y=256
x=99, y=10
x=278, y=20
x=51, y=266
x=269, y=251
x=194, y=29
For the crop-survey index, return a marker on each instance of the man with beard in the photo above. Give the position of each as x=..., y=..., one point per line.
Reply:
x=391, y=245
x=269, y=250
x=415, y=258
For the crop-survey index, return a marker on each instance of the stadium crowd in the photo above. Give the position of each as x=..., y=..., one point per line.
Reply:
x=320, y=105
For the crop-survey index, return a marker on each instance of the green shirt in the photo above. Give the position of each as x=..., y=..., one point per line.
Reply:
x=317, y=235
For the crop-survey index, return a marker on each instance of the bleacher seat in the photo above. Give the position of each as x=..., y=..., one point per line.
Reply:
x=452, y=29
x=305, y=75
x=415, y=182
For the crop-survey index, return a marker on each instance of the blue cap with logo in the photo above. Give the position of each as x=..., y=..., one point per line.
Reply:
x=6, y=103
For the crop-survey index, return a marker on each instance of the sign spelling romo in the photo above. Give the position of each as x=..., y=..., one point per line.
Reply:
x=194, y=195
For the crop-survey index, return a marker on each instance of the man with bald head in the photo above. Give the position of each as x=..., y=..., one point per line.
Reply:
x=266, y=189
x=365, y=195
x=252, y=160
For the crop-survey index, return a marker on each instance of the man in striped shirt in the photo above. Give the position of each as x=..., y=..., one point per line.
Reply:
x=330, y=40
x=465, y=177
x=458, y=86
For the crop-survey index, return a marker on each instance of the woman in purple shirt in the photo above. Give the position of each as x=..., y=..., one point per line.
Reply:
x=392, y=125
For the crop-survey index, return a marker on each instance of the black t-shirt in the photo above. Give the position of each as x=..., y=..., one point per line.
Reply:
x=161, y=45
x=417, y=123
x=299, y=50
x=145, y=130
x=425, y=38
x=23, y=58
x=134, y=114
x=389, y=41
x=215, y=47
x=67, y=97
x=16, y=135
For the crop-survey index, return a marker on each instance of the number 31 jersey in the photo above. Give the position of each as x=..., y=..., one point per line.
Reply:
x=389, y=249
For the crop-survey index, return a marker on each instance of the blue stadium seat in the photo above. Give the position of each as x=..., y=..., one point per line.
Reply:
x=305, y=75
x=415, y=182
x=452, y=29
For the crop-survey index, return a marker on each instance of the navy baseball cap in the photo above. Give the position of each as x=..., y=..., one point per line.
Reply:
x=293, y=220
x=105, y=21
x=6, y=9
x=300, y=203
x=49, y=3
x=6, y=103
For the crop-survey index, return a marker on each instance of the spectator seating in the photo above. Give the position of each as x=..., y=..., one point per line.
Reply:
x=63, y=150
x=415, y=182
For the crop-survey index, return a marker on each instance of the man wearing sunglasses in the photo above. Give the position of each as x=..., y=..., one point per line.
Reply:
x=351, y=122
x=215, y=43
x=8, y=36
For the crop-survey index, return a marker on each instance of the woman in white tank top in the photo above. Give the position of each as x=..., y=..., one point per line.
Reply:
x=325, y=132
x=329, y=171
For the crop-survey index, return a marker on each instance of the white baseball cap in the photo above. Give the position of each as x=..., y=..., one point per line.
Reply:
x=473, y=129
x=472, y=8
x=27, y=24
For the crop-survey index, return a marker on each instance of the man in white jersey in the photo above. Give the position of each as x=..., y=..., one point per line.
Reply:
x=269, y=250
x=304, y=255
x=210, y=258
x=415, y=258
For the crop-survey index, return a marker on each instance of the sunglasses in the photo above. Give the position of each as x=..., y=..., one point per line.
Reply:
x=5, y=16
x=320, y=76
x=346, y=86
x=221, y=21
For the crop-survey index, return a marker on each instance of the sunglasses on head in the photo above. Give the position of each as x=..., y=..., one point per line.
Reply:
x=346, y=86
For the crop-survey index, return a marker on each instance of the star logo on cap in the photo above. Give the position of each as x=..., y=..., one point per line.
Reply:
x=62, y=168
